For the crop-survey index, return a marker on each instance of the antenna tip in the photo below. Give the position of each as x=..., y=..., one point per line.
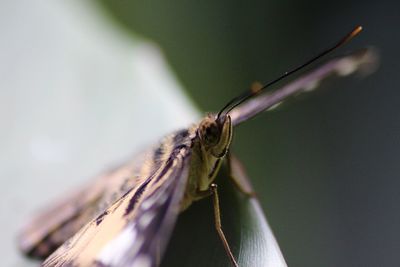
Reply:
x=356, y=31
x=350, y=35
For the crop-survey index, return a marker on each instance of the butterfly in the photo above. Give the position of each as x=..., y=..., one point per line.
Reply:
x=126, y=216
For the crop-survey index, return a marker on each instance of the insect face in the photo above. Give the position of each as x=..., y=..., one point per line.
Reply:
x=216, y=134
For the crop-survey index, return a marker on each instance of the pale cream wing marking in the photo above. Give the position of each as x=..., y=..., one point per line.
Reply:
x=136, y=228
x=45, y=232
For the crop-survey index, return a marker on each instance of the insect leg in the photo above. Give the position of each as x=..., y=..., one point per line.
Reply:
x=218, y=226
x=238, y=177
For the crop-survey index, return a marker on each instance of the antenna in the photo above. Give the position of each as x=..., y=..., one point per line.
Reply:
x=252, y=92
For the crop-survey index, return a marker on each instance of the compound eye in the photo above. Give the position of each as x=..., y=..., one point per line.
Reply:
x=212, y=135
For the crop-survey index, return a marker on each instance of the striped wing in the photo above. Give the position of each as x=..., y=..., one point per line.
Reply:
x=52, y=227
x=134, y=230
x=361, y=60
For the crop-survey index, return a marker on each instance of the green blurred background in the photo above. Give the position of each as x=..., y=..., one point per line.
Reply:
x=326, y=167
x=75, y=83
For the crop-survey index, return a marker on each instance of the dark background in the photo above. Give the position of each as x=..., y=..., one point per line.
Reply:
x=330, y=161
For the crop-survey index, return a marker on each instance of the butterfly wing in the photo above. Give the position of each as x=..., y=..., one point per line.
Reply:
x=364, y=59
x=44, y=233
x=134, y=230
x=51, y=228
